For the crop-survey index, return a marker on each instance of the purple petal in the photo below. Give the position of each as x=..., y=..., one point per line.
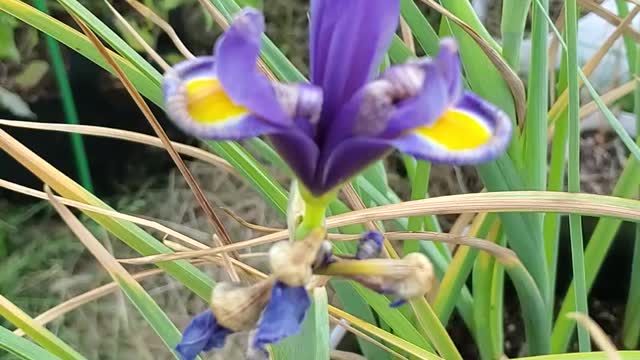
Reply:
x=283, y=315
x=398, y=303
x=299, y=151
x=347, y=159
x=237, y=53
x=202, y=334
x=449, y=148
x=448, y=60
x=370, y=245
x=196, y=103
x=404, y=97
x=347, y=42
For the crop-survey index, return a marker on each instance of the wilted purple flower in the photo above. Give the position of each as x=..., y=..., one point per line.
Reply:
x=346, y=117
x=202, y=334
x=273, y=310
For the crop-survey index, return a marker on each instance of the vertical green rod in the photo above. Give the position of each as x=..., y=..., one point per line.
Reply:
x=631, y=325
x=71, y=115
x=575, y=221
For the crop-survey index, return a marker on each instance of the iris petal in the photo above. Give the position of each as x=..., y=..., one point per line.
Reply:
x=202, y=334
x=472, y=131
x=237, y=53
x=347, y=42
x=283, y=315
x=197, y=104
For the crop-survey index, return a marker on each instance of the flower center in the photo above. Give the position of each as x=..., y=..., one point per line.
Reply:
x=456, y=130
x=208, y=103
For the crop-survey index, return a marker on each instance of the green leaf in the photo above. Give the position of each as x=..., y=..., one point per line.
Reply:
x=354, y=304
x=313, y=340
x=35, y=331
x=23, y=348
x=8, y=48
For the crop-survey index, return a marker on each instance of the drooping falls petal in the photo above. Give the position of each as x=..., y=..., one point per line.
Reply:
x=470, y=132
x=283, y=315
x=202, y=334
x=347, y=42
x=197, y=104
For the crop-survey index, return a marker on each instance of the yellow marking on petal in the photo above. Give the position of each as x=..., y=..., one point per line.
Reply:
x=456, y=130
x=208, y=103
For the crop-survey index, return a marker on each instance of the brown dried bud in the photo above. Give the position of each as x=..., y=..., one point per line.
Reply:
x=237, y=307
x=291, y=261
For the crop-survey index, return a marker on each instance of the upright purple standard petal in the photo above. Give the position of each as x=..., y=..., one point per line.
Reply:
x=237, y=53
x=347, y=41
x=283, y=315
x=202, y=334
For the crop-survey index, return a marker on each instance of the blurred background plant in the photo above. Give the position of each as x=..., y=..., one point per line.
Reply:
x=42, y=263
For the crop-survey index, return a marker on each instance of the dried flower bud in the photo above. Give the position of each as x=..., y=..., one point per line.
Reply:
x=406, y=278
x=291, y=261
x=419, y=281
x=370, y=245
x=324, y=256
x=238, y=308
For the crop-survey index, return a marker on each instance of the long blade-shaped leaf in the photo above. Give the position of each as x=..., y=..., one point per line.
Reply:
x=38, y=333
x=22, y=348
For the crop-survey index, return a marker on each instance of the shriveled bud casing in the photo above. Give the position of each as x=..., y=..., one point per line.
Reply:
x=238, y=308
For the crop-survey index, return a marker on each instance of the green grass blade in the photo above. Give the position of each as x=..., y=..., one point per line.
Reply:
x=533, y=307
x=496, y=309
x=535, y=132
x=420, y=27
x=464, y=11
x=354, y=304
x=115, y=41
x=597, y=248
x=398, y=52
x=609, y=116
x=514, y=18
x=148, y=86
x=629, y=43
x=631, y=325
x=430, y=325
x=22, y=348
x=38, y=333
x=482, y=283
x=575, y=221
x=456, y=277
x=394, y=318
x=313, y=340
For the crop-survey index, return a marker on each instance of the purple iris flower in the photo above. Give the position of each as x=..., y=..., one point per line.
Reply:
x=346, y=117
x=283, y=315
x=202, y=334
